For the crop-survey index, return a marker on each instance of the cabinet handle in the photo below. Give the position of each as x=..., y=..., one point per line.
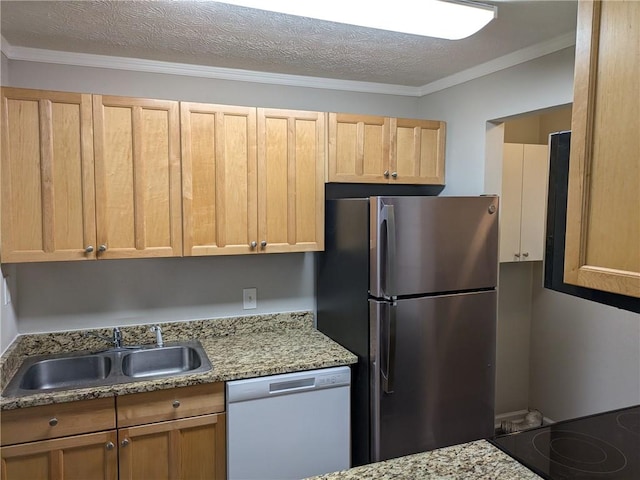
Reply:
x=254, y=244
x=124, y=442
x=102, y=248
x=517, y=255
x=263, y=243
x=386, y=174
x=175, y=404
x=89, y=249
x=525, y=254
x=53, y=422
x=109, y=446
x=394, y=174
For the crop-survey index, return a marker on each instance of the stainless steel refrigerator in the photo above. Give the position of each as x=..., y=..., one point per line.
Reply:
x=409, y=285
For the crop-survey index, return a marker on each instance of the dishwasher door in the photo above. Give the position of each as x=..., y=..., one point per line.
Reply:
x=289, y=426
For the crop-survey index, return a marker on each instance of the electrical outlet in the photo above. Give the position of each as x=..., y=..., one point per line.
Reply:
x=249, y=298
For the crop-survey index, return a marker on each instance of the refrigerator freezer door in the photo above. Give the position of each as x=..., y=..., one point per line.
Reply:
x=423, y=245
x=443, y=371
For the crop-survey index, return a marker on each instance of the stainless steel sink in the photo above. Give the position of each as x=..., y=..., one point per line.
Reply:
x=65, y=372
x=161, y=361
x=49, y=373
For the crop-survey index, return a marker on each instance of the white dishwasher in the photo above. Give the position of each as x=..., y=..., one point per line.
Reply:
x=289, y=426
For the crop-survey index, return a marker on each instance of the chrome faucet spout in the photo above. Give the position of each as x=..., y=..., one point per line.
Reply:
x=117, y=338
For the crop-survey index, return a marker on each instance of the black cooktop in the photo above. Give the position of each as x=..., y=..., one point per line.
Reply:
x=603, y=446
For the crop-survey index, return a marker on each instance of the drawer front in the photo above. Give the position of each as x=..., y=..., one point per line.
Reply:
x=171, y=404
x=59, y=420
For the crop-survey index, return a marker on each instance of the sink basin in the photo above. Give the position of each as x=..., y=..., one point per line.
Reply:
x=161, y=361
x=65, y=372
x=48, y=373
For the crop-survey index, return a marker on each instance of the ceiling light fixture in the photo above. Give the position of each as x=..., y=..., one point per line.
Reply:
x=449, y=19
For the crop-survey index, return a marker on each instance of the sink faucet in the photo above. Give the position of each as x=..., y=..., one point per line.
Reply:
x=116, y=337
x=158, y=332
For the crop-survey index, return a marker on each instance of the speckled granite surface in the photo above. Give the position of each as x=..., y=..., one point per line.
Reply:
x=475, y=460
x=238, y=347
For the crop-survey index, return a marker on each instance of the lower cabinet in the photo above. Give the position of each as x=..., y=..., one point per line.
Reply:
x=190, y=448
x=167, y=434
x=91, y=456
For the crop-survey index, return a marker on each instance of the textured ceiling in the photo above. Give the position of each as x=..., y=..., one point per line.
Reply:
x=219, y=35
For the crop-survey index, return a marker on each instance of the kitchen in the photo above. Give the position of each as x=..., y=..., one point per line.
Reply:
x=65, y=296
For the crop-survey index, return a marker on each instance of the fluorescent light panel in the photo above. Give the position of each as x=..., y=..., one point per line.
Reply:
x=452, y=20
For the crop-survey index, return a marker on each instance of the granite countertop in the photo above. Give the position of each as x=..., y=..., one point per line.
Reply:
x=477, y=460
x=238, y=347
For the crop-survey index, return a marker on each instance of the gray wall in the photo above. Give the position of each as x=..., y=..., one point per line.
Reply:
x=535, y=85
x=8, y=302
x=583, y=357
x=74, y=295
x=513, y=337
x=4, y=69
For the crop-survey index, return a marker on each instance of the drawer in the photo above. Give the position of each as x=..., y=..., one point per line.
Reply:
x=171, y=404
x=59, y=420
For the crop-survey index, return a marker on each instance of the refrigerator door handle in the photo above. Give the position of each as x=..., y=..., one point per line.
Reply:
x=388, y=373
x=388, y=216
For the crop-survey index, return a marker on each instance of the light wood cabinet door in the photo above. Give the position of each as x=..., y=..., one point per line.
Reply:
x=138, y=187
x=220, y=213
x=190, y=448
x=48, y=210
x=417, y=151
x=358, y=148
x=82, y=457
x=603, y=219
x=291, y=159
x=523, y=202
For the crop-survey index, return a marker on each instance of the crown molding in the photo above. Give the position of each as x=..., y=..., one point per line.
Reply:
x=501, y=63
x=152, y=66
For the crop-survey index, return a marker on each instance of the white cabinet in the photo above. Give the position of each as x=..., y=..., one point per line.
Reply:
x=523, y=202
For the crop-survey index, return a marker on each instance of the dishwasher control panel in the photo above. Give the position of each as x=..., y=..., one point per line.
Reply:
x=334, y=379
x=261, y=387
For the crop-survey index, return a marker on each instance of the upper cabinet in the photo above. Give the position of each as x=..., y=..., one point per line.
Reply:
x=219, y=179
x=603, y=223
x=358, y=148
x=88, y=177
x=523, y=202
x=371, y=149
x=416, y=154
x=79, y=184
x=48, y=200
x=137, y=168
x=291, y=158
x=253, y=180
